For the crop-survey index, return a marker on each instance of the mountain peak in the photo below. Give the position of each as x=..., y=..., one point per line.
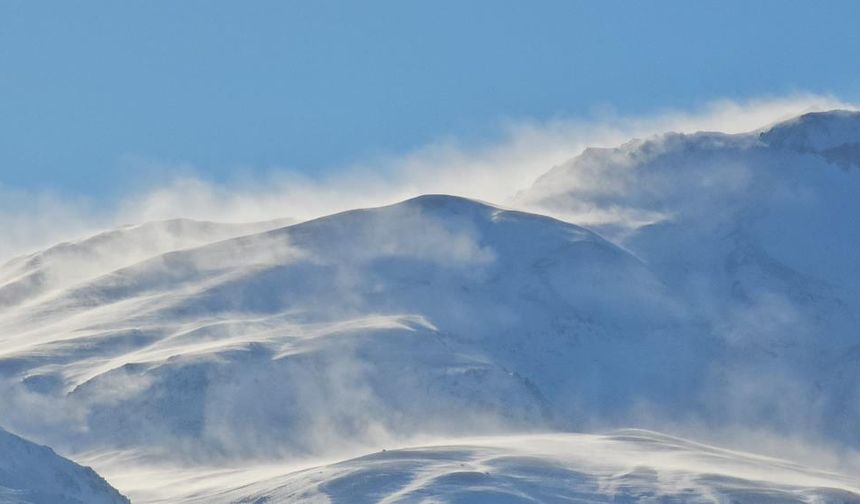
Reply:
x=816, y=132
x=445, y=202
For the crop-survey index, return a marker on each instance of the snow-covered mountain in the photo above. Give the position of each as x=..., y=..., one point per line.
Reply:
x=711, y=286
x=758, y=232
x=33, y=474
x=624, y=466
x=285, y=339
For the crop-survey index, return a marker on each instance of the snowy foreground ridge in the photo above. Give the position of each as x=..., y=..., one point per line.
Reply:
x=705, y=286
x=627, y=466
x=30, y=473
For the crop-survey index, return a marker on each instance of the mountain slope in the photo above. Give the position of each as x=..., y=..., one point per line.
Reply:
x=425, y=308
x=625, y=466
x=65, y=264
x=758, y=233
x=33, y=474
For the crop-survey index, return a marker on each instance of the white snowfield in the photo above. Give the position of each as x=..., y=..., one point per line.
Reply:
x=626, y=466
x=711, y=286
x=622, y=466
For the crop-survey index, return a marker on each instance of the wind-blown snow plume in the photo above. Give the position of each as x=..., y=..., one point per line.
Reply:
x=492, y=170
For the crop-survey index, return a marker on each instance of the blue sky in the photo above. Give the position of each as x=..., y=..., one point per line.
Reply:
x=96, y=98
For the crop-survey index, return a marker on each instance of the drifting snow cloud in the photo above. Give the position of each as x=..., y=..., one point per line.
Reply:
x=492, y=171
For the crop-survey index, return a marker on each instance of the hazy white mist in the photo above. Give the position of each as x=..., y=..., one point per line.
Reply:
x=493, y=171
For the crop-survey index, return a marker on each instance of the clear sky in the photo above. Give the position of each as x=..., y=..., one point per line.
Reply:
x=95, y=94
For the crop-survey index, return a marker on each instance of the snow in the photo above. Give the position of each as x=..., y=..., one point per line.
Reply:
x=758, y=233
x=833, y=135
x=68, y=263
x=230, y=348
x=709, y=286
x=621, y=466
x=33, y=474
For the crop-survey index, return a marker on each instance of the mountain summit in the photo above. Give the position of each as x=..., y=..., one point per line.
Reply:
x=833, y=135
